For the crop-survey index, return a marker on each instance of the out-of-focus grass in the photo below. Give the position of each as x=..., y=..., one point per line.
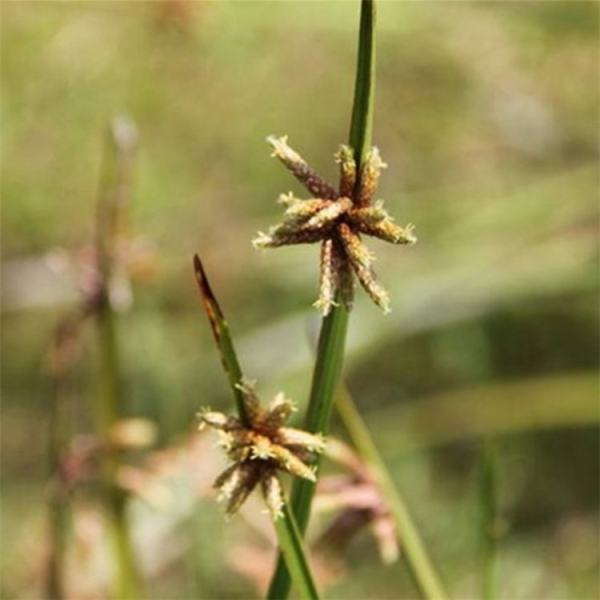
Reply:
x=487, y=115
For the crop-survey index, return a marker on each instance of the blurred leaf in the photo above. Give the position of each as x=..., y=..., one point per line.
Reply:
x=497, y=408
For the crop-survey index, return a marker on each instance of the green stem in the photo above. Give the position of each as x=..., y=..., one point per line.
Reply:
x=292, y=548
x=326, y=375
x=58, y=509
x=361, y=124
x=330, y=351
x=58, y=515
x=109, y=408
x=419, y=563
x=489, y=518
x=113, y=195
x=288, y=534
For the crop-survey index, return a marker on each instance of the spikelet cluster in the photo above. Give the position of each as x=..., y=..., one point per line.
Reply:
x=337, y=219
x=259, y=448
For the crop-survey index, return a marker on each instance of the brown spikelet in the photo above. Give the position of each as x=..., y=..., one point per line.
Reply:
x=288, y=461
x=249, y=398
x=278, y=413
x=361, y=263
x=290, y=436
x=374, y=289
x=369, y=177
x=356, y=251
x=305, y=209
x=368, y=214
x=247, y=476
x=345, y=158
x=305, y=174
x=273, y=494
x=328, y=280
x=328, y=215
x=388, y=231
x=346, y=280
x=277, y=238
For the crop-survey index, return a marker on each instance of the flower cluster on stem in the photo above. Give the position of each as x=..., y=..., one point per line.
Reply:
x=259, y=447
x=337, y=219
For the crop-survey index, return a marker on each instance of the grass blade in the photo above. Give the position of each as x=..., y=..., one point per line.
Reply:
x=220, y=331
x=292, y=547
x=57, y=368
x=419, y=563
x=113, y=195
x=290, y=539
x=490, y=521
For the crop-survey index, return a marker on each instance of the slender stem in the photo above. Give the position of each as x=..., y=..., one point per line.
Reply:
x=57, y=501
x=58, y=539
x=489, y=519
x=58, y=514
x=330, y=350
x=288, y=533
x=419, y=563
x=126, y=582
x=59, y=364
x=325, y=377
x=292, y=547
x=361, y=124
x=112, y=198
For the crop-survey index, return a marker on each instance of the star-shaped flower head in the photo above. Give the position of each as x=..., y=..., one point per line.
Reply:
x=337, y=219
x=259, y=449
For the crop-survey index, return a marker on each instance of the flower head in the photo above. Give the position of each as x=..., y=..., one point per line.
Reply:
x=259, y=446
x=337, y=219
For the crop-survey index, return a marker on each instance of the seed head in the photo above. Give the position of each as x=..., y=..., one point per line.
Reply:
x=259, y=448
x=337, y=220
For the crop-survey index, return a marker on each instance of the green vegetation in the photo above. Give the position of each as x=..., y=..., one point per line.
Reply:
x=487, y=116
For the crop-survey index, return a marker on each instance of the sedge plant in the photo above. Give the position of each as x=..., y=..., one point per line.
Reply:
x=113, y=196
x=337, y=219
x=259, y=446
x=102, y=289
x=257, y=441
x=59, y=363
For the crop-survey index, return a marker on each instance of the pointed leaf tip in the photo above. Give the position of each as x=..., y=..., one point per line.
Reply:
x=222, y=337
x=211, y=305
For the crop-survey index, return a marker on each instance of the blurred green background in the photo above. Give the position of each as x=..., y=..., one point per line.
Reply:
x=487, y=114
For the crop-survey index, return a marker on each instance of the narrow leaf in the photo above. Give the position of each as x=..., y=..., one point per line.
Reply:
x=220, y=330
x=290, y=540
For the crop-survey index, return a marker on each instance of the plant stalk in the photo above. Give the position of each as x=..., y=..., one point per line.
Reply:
x=288, y=534
x=332, y=337
x=126, y=586
x=292, y=547
x=490, y=522
x=419, y=563
x=58, y=509
x=112, y=198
